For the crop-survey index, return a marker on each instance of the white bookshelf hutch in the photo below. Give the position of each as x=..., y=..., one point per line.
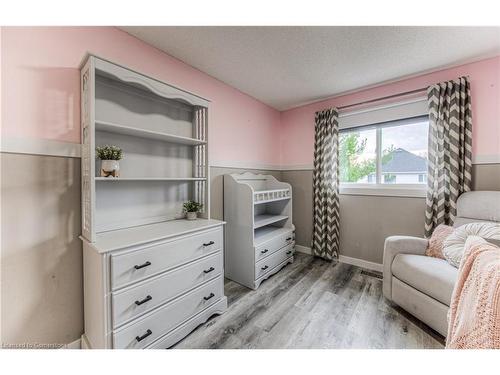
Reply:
x=260, y=237
x=150, y=276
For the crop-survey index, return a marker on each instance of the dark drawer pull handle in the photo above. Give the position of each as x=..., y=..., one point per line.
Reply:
x=148, y=263
x=288, y=252
x=264, y=268
x=264, y=251
x=139, y=303
x=209, y=270
x=208, y=244
x=289, y=238
x=210, y=296
x=140, y=338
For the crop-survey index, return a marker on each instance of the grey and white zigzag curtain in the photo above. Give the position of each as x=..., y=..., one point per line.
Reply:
x=450, y=150
x=326, y=221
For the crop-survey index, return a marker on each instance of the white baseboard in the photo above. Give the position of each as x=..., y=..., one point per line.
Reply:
x=85, y=342
x=77, y=344
x=303, y=249
x=361, y=263
x=348, y=260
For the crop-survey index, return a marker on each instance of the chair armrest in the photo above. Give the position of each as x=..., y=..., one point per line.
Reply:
x=395, y=245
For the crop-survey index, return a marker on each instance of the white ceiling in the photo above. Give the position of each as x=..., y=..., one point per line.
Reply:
x=288, y=66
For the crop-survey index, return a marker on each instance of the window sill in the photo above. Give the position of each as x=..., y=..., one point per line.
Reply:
x=411, y=191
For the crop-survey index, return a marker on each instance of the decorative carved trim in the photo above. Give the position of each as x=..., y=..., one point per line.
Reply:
x=86, y=156
x=151, y=84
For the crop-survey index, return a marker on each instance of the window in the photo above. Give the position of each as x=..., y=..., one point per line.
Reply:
x=389, y=153
x=357, y=155
x=389, y=178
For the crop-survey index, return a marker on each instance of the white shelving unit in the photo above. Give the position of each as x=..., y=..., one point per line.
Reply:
x=150, y=276
x=260, y=236
x=163, y=133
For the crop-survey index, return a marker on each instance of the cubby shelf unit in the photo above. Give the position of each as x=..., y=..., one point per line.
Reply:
x=260, y=235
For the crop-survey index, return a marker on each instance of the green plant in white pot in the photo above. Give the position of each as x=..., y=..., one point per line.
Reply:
x=110, y=156
x=191, y=208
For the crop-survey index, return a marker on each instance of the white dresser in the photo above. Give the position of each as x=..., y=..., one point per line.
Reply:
x=149, y=286
x=150, y=276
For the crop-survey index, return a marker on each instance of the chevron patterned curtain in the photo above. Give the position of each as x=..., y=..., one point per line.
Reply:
x=450, y=150
x=325, y=240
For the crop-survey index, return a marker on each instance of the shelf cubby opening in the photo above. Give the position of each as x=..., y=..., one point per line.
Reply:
x=271, y=212
x=265, y=219
x=140, y=202
x=125, y=107
x=152, y=158
x=148, y=134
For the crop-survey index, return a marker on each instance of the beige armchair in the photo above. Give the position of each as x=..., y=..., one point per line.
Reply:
x=423, y=285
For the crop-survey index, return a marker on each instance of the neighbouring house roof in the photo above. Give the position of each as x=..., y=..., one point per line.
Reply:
x=403, y=161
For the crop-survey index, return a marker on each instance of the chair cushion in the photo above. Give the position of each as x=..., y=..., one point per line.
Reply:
x=436, y=242
x=431, y=276
x=454, y=244
x=479, y=205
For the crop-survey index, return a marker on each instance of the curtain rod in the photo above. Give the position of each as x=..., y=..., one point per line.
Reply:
x=422, y=89
x=383, y=98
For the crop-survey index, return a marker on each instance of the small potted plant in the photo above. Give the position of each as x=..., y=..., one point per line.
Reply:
x=110, y=156
x=191, y=208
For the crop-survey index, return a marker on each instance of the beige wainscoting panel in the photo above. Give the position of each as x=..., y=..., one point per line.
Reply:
x=41, y=255
x=366, y=221
x=486, y=176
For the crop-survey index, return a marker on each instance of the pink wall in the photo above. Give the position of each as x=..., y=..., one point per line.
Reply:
x=41, y=89
x=297, y=125
x=40, y=95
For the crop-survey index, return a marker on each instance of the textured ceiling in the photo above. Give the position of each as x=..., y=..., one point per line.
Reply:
x=288, y=66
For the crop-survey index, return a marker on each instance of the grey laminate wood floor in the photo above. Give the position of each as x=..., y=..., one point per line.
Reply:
x=312, y=304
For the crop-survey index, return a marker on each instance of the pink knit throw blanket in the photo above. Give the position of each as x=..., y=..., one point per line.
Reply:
x=474, y=315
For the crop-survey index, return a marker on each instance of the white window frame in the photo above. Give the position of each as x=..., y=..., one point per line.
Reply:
x=402, y=110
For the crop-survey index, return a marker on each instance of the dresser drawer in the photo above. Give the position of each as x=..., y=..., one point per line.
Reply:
x=273, y=245
x=148, y=329
x=265, y=265
x=142, y=263
x=138, y=299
